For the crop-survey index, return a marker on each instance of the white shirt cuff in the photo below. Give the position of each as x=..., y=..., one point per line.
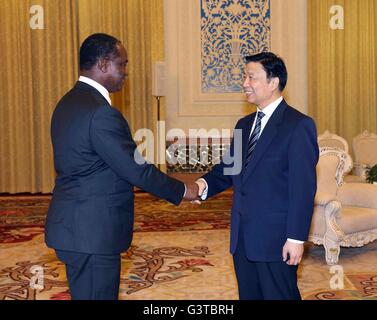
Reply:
x=295, y=241
x=205, y=191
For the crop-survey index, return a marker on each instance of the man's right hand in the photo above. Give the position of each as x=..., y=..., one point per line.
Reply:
x=202, y=186
x=192, y=191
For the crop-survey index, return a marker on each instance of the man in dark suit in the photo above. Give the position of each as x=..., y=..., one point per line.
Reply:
x=90, y=218
x=274, y=192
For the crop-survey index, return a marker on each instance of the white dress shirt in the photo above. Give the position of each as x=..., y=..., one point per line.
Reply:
x=268, y=111
x=102, y=90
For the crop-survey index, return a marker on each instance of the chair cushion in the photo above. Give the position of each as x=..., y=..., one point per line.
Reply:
x=356, y=219
x=353, y=179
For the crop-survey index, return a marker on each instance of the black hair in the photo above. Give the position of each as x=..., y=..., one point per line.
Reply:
x=97, y=46
x=273, y=65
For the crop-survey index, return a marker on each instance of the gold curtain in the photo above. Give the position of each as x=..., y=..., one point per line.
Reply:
x=39, y=66
x=343, y=68
x=139, y=25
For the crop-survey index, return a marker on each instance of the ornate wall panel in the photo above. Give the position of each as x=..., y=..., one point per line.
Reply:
x=231, y=30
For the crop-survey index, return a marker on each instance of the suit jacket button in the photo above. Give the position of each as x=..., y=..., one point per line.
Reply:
x=243, y=193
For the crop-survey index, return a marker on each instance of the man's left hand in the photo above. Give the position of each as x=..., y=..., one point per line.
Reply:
x=294, y=251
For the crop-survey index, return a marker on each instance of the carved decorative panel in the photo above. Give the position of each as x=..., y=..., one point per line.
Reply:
x=231, y=30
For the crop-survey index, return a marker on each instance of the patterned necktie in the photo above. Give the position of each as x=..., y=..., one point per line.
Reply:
x=254, y=137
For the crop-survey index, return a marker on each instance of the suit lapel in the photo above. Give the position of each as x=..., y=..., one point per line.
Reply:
x=268, y=134
x=245, y=137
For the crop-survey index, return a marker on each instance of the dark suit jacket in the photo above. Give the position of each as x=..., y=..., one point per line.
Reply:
x=92, y=208
x=274, y=196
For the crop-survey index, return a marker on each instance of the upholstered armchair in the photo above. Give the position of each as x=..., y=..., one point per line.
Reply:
x=345, y=214
x=365, y=151
x=331, y=140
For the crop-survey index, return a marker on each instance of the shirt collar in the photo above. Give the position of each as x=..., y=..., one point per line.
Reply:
x=102, y=90
x=269, y=110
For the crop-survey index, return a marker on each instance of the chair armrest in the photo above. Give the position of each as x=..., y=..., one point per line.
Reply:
x=361, y=169
x=358, y=195
x=323, y=198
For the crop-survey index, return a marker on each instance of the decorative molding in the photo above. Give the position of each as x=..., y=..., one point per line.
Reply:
x=359, y=239
x=332, y=247
x=333, y=234
x=345, y=162
x=327, y=135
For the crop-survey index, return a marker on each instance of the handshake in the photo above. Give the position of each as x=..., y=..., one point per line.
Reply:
x=194, y=191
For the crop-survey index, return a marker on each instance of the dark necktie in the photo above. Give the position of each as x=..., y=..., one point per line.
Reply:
x=254, y=137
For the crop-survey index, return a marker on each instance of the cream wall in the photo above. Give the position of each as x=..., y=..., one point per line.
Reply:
x=186, y=107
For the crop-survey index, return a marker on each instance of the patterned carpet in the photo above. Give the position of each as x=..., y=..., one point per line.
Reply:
x=177, y=253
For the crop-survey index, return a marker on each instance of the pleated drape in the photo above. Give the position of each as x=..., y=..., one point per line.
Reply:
x=39, y=66
x=342, y=67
